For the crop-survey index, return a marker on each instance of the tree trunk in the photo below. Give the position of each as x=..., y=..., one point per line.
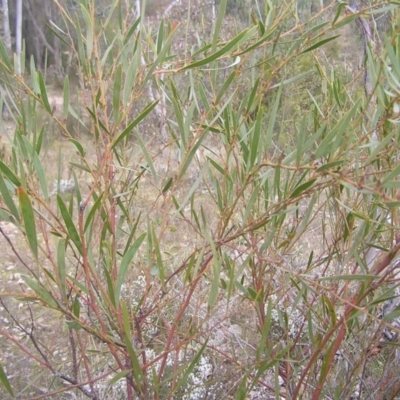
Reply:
x=6, y=26
x=137, y=6
x=18, y=34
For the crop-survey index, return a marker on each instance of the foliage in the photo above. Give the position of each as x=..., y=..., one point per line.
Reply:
x=206, y=259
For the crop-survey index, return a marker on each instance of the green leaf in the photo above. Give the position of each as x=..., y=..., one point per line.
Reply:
x=160, y=264
x=255, y=148
x=189, y=157
x=111, y=11
x=305, y=220
x=292, y=79
x=74, y=325
x=130, y=78
x=61, y=268
x=70, y=225
x=8, y=200
x=3, y=376
x=66, y=98
x=392, y=315
x=252, y=95
x=339, y=9
x=40, y=174
x=78, y=146
x=241, y=392
x=125, y=263
x=43, y=93
x=160, y=36
x=272, y=119
x=76, y=307
x=136, y=369
x=319, y=44
x=44, y=295
x=392, y=174
x=167, y=185
x=216, y=268
x=131, y=30
x=35, y=83
x=346, y=20
x=92, y=211
x=110, y=285
x=29, y=219
x=160, y=58
x=359, y=277
x=82, y=167
x=189, y=369
x=146, y=155
x=244, y=35
x=139, y=118
x=120, y=375
x=331, y=165
x=89, y=32
x=265, y=331
x=392, y=204
x=301, y=188
x=9, y=174
x=191, y=190
x=337, y=133
x=218, y=24
x=225, y=86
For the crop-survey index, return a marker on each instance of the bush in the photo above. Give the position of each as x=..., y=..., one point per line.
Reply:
x=204, y=260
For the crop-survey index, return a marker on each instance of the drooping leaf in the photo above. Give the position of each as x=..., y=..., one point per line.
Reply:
x=319, y=44
x=89, y=31
x=125, y=263
x=69, y=224
x=136, y=369
x=61, y=268
x=28, y=217
x=43, y=93
x=66, y=98
x=130, y=127
x=301, y=188
x=5, y=382
x=41, y=292
x=8, y=200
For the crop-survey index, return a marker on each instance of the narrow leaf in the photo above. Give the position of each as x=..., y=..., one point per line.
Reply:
x=43, y=93
x=7, y=198
x=301, y=188
x=125, y=263
x=29, y=219
x=61, y=268
x=42, y=293
x=70, y=225
x=9, y=174
x=189, y=369
x=66, y=97
x=225, y=49
x=4, y=379
x=139, y=118
x=89, y=31
x=120, y=375
x=136, y=369
x=319, y=44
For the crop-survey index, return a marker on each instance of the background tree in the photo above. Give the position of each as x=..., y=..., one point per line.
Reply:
x=6, y=25
x=18, y=33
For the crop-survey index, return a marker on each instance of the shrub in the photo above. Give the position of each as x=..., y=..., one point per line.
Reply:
x=201, y=261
